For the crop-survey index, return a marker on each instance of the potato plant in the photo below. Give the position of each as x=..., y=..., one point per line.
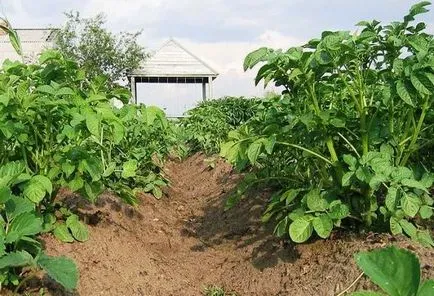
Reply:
x=344, y=145
x=21, y=254
x=60, y=129
x=207, y=125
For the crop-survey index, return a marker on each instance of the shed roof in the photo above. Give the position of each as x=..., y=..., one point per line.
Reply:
x=174, y=60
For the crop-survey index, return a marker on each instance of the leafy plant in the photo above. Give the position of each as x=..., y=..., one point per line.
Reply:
x=207, y=125
x=216, y=291
x=342, y=145
x=21, y=255
x=395, y=271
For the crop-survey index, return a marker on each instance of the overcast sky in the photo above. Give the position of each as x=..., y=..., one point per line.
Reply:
x=222, y=32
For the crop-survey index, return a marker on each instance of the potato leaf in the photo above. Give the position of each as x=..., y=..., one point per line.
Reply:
x=396, y=271
x=61, y=269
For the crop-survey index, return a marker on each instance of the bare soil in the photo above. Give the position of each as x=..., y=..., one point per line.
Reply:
x=184, y=242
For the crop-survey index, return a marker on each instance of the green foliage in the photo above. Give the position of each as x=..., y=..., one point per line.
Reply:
x=395, y=271
x=97, y=50
x=216, y=291
x=347, y=143
x=58, y=128
x=66, y=130
x=20, y=223
x=207, y=125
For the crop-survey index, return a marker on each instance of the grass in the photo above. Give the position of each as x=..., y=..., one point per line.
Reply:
x=217, y=291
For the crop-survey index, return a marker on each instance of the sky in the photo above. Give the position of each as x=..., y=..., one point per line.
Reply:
x=221, y=32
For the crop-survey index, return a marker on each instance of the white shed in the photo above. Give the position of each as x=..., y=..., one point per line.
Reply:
x=173, y=63
x=33, y=42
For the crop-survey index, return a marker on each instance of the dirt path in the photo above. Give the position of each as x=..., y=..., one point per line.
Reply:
x=184, y=242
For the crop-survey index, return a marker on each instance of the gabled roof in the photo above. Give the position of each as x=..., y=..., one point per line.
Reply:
x=174, y=60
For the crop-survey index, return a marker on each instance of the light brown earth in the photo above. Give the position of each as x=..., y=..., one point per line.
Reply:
x=185, y=241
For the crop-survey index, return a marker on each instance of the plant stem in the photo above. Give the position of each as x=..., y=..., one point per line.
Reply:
x=306, y=150
x=416, y=133
x=351, y=285
x=26, y=279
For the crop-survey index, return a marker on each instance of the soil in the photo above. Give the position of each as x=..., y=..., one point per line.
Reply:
x=186, y=241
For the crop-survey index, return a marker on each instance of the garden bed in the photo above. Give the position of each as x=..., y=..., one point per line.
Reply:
x=185, y=242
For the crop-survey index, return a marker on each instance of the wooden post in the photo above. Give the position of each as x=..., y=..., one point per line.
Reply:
x=133, y=90
x=203, y=90
x=210, y=94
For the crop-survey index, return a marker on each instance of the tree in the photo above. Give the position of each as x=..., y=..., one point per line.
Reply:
x=97, y=50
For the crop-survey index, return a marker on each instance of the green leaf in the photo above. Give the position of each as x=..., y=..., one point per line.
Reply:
x=109, y=170
x=424, y=238
x=35, y=192
x=64, y=91
x=281, y=227
x=61, y=232
x=416, y=9
x=15, y=206
x=2, y=246
x=338, y=210
x=47, y=89
x=396, y=271
x=427, y=180
x=426, y=289
x=153, y=113
x=78, y=229
x=255, y=57
x=408, y=228
x=269, y=144
x=289, y=195
x=68, y=169
x=156, y=191
x=16, y=259
x=403, y=93
x=391, y=199
x=23, y=225
x=76, y=184
x=5, y=194
x=346, y=178
x=129, y=169
x=401, y=173
x=93, y=124
x=377, y=180
x=37, y=188
x=414, y=184
x=93, y=167
x=118, y=132
x=323, y=225
x=410, y=205
x=425, y=212
x=92, y=190
x=44, y=181
x=315, y=201
x=363, y=174
x=15, y=41
x=300, y=229
x=395, y=228
x=254, y=150
x=418, y=85
x=61, y=269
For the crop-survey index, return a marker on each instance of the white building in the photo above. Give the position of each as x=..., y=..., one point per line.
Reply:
x=33, y=42
x=168, y=72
